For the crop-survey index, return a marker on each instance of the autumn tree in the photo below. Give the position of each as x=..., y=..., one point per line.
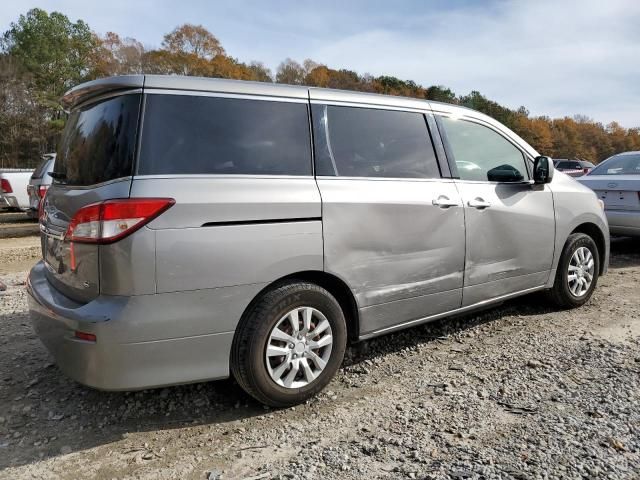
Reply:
x=259, y=72
x=290, y=72
x=440, y=93
x=189, y=39
x=319, y=76
x=43, y=54
x=118, y=56
x=27, y=130
x=53, y=50
x=477, y=101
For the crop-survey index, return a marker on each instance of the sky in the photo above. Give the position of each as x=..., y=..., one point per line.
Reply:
x=555, y=57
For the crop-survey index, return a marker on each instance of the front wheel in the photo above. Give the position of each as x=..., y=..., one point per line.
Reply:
x=577, y=273
x=290, y=344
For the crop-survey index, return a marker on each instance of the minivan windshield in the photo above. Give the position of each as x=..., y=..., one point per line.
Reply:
x=98, y=142
x=619, y=165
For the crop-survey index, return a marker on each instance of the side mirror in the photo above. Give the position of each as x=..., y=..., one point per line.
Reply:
x=543, y=170
x=504, y=173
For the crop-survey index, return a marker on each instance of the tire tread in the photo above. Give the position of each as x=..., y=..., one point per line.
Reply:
x=248, y=328
x=558, y=294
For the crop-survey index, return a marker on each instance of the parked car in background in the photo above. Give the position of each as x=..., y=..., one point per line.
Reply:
x=200, y=228
x=573, y=168
x=39, y=183
x=13, y=189
x=616, y=181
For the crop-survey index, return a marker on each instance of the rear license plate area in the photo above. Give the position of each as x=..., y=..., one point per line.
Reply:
x=613, y=198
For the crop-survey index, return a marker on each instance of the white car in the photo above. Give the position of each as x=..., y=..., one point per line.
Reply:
x=13, y=189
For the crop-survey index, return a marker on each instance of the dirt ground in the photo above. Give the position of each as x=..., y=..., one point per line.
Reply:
x=17, y=224
x=519, y=391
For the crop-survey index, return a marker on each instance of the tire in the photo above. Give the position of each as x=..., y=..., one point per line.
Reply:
x=561, y=293
x=256, y=372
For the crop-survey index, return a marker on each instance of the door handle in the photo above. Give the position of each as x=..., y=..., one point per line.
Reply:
x=444, y=202
x=479, y=203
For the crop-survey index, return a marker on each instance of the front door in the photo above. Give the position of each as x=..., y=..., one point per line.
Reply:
x=510, y=222
x=393, y=228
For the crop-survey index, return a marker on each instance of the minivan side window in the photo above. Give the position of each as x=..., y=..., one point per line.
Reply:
x=194, y=134
x=482, y=154
x=367, y=142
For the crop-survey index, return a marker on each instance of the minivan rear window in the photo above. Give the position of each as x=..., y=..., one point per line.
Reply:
x=195, y=134
x=98, y=142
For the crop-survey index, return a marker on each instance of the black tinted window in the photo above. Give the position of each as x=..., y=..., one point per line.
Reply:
x=184, y=134
x=568, y=165
x=482, y=154
x=364, y=142
x=98, y=143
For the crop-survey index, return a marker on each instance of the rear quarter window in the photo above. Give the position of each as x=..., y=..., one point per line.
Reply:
x=192, y=134
x=98, y=143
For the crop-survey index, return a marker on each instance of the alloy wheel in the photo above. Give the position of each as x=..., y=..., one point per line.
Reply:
x=580, y=272
x=299, y=347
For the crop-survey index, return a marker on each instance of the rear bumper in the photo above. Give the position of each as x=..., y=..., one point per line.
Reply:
x=623, y=222
x=142, y=341
x=9, y=201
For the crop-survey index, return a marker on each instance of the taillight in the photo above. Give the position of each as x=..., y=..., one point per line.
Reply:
x=41, y=207
x=5, y=186
x=42, y=190
x=87, y=337
x=586, y=170
x=107, y=222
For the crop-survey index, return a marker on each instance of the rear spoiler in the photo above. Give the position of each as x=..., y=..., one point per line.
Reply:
x=85, y=91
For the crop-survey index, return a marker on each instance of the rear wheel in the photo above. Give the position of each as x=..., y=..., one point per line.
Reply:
x=577, y=273
x=290, y=344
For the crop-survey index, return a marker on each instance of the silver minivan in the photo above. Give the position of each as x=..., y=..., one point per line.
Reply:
x=201, y=228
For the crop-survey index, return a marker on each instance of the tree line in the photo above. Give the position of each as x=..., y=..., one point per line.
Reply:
x=44, y=54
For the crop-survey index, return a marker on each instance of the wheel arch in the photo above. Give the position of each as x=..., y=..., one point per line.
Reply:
x=598, y=237
x=334, y=285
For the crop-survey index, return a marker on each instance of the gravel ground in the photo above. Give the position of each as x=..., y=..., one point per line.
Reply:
x=17, y=224
x=519, y=391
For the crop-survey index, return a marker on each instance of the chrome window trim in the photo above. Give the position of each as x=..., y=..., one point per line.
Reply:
x=373, y=106
x=240, y=96
x=386, y=179
x=526, y=182
x=128, y=178
x=222, y=176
